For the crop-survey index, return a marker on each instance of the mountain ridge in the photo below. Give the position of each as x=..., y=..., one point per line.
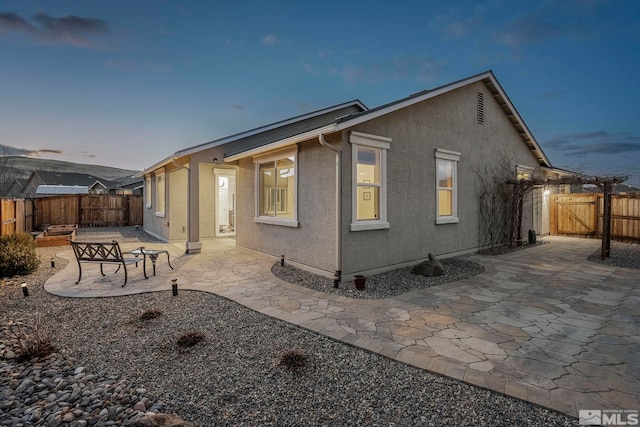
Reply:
x=22, y=166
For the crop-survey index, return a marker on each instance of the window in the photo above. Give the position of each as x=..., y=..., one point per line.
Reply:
x=147, y=191
x=447, y=186
x=369, y=165
x=160, y=193
x=276, y=191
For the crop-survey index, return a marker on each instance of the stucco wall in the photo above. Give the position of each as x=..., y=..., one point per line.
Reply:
x=312, y=243
x=448, y=122
x=177, y=208
x=153, y=223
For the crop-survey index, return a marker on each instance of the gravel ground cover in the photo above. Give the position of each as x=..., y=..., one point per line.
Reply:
x=626, y=255
x=234, y=376
x=384, y=285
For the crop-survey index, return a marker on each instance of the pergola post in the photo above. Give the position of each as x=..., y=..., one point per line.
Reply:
x=605, y=250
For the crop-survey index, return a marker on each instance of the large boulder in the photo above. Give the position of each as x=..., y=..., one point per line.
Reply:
x=430, y=267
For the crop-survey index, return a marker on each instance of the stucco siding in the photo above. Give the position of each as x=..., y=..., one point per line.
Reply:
x=312, y=243
x=154, y=224
x=177, y=182
x=448, y=122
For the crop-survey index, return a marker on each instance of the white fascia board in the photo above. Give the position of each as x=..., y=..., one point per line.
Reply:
x=292, y=140
x=442, y=90
x=411, y=101
x=256, y=131
x=155, y=166
x=231, y=138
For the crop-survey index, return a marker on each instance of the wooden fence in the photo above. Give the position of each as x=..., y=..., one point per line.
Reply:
x=90, y=210
x=581, y=215
x=16, y=216
x=85, y=210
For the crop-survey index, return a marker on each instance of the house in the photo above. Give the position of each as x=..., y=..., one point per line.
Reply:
x=616, y=189
x=350, y=189
x=65, y=181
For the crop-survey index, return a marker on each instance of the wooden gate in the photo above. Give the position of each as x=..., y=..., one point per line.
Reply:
x=574, y=215
x=580, y=215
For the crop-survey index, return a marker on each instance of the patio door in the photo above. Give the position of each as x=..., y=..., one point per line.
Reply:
x=225, y=197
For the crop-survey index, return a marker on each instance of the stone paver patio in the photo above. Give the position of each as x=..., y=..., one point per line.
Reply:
x=543, y=324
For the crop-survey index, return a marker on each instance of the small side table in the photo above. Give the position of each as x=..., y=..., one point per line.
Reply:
x=153, y=256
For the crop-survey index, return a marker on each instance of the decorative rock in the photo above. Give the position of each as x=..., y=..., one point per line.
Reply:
x=431, y=267
x=156, y=420
x=140, y=407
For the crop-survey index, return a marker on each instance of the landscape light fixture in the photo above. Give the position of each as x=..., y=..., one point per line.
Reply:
x=336, y=278
x=25, y=291
x=174, y=286
x=282, y=260
x=53, y=262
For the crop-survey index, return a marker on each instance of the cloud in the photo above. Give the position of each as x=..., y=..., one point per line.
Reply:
x=237, y=107
x=555, y=20
x=70, y=29
x=409, y=67
x=599, y=142
x=269, y=40
x=14, y=151
x=308, y=68
x=87, y=154
x=13, y=23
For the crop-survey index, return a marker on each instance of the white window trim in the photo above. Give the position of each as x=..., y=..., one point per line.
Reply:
x=161, y=173
x=453, y=156
x=147, y=194
x=272, y=156
x=359, y=139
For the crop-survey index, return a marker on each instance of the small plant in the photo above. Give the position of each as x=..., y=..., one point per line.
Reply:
x=293, y=359
x=18, y=255
x=36, y=344
x=150, y=314
x=190, y=339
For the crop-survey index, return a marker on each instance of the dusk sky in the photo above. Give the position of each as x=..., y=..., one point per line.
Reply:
x=127, y=83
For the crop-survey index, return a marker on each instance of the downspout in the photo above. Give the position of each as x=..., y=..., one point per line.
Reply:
x=188, y=201
x=337, y=150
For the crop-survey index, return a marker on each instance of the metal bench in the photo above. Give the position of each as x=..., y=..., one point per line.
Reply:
x=104, y=253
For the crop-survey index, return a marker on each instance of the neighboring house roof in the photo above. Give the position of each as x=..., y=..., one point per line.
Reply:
x=61, y=189
x=72, y=178
x=272, y=132
x=616, y=189
x=131, y=183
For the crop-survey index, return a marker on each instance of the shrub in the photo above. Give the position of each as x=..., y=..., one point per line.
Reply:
x=190, y=339
x=293, y=359
x=35, y=344
x=150, y=314
x=18, y=255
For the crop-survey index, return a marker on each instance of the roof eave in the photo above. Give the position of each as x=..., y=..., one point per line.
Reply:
x=485, y=77
x=292, y=140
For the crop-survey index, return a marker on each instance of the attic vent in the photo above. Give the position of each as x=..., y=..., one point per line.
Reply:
x=481, y=108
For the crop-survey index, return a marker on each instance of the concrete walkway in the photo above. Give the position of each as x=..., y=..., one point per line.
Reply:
x=543, y=324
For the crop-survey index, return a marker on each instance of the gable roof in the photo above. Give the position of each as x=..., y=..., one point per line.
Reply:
x=61, y=189
x=71, y=179
x=498, y=93
x=270, y=133
x=339, y=124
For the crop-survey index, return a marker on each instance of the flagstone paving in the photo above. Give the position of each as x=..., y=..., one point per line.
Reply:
x=542, y=324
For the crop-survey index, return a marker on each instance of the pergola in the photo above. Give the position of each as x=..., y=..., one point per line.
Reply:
x=604, y=183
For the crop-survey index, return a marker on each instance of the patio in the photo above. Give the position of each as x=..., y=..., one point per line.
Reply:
x=543, y=325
